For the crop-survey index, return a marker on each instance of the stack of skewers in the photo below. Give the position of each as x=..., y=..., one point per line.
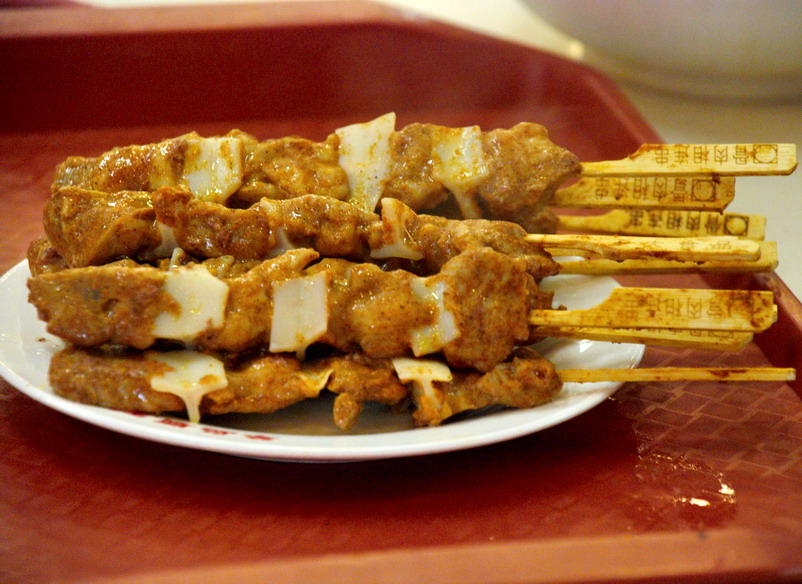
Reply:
x=217, y=275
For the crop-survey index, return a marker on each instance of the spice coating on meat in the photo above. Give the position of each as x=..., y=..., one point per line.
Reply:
x=336, y=229
x=43, y=258
x=371, y=309
x=93, y=306
x=248, y=312
x=210, y=230
x=127, y=168
x=356, y=379
x=525, y=380
x=483, y=295
x=93, y=227
x=441, y=239
x=411, y=179
x=122, y=379
x=484, y=292
x=289, y=167
x=331, y=227
x=111, y=379
x=234, y=229
x=119, y=304
x=264, y=385
x=525, y=168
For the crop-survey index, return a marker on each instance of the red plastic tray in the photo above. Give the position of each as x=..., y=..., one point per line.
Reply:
x=681, y=482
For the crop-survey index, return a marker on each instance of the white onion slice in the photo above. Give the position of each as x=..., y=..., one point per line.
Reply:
x=431, y=338
x=364, y=155
x=422, y=373
x=300, y=313
x=397, y=243
x=458, y=163
x=213, y=168
x=201, y=299
x=190, y=376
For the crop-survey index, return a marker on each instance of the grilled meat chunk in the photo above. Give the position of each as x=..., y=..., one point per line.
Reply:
x=289, y=167
x=94, y=227
x=525, y=170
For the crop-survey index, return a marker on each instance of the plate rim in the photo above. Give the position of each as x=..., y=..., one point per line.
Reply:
x=276, y=446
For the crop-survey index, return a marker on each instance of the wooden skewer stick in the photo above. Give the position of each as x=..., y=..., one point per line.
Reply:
x=700, y=160
x=667, y=223
x=767, y=262
x=670, y=308
x=652, y=192
x=613, y=247
x=678, y=338
x=678, y=374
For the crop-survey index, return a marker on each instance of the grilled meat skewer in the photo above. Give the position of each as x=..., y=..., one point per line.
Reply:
x=93, y=228
x=150, y=382
x=473, y=311
x=507, y=174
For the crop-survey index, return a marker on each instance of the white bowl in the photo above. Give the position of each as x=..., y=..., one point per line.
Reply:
x=723, y=48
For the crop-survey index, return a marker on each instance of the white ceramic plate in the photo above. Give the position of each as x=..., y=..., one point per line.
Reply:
x=306, y=432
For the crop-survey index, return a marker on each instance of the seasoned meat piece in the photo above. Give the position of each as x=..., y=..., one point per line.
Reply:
x=276, y=169
x=126, y=168
x=336, y=229
x=207, y=229
x=249, y=307
x=440, y=239
x=118, y=379
x=481, y=296
x=124, y=379
x=266, y=384
x=43, y=258
x=525, y=170
x=545, y=221
x=371, y=309
x=525, y=380
x=356, y=379
x=211, y=167
x=290, y=167
x=93, y=306
x=484, y=292
x=411, y=179
x=92, y=227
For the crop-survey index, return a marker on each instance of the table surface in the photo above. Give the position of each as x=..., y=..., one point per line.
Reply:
x=668, y=480
x=677, y=118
